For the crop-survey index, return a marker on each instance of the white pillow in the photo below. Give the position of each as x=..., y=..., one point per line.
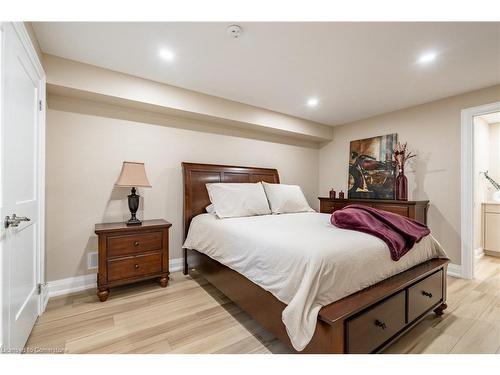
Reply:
x=238, y=199
x=210, y=209
x=286, y=198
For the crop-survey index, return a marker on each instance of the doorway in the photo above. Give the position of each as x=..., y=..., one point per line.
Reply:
x=477, y=185
x=486, y=240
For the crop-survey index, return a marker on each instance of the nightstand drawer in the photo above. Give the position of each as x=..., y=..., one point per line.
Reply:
x=133, y=243
x=140, y=265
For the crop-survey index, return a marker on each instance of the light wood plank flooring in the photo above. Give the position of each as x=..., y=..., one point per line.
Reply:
x=191, y=316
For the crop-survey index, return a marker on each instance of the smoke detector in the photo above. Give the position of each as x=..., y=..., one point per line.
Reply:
x=234, y=31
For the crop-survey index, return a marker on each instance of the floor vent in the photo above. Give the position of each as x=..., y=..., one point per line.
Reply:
x=92, y=261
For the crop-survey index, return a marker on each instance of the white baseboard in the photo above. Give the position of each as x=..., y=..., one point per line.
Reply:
x=45, y=298
x=79, y=283
x=71, y=285
x=454, y=270
x=176, y=264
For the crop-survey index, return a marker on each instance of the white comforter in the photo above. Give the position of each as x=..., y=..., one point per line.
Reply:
x=302, y=259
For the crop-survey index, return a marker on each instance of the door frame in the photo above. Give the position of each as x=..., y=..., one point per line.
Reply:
x=467, y=185
x=23, y=35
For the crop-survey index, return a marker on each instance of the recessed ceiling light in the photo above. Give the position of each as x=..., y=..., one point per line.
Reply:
x=312, y=102
x=427, y=57
x=166, y=54
x=234, y=31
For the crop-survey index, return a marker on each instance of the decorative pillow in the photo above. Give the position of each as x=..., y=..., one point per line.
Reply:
x=238, y=199
x=286, y=198
x=210, y=209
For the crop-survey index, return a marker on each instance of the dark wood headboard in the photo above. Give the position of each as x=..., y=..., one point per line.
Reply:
x=197, y=175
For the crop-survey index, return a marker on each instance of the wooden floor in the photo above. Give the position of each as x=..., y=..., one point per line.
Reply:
x=190, y=316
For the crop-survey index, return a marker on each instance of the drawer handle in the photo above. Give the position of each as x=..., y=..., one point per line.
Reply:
x=136, y=243
x=427, y=294
x=136, y=266
x=380, y=324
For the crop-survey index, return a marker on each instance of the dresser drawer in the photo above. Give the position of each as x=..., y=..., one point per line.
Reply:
x=424, y=295
x=494, y=208
x=327, y=207
x=373, y=327
x=394, y=208
x=129, y=244
x=491, y=224
x=136, y=266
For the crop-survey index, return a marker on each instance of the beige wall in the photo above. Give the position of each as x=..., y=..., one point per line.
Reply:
x=433, y=131
x=84, y=157
x=85, y=152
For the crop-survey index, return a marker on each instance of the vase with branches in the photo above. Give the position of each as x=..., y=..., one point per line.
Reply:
x=401, y=156
x=496, y=185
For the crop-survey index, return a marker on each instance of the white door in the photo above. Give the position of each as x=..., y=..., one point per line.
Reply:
x=20, y=187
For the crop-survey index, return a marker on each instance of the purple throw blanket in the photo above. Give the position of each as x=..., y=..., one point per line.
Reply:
x=398, y=232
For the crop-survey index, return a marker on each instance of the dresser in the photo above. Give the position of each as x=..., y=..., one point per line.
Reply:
x=416, y=210
x=491, y=229
x=128, y=254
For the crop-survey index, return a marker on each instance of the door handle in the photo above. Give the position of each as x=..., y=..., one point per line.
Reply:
x=15, y=220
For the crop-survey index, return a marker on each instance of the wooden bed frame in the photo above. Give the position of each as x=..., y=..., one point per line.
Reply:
x=364, y=322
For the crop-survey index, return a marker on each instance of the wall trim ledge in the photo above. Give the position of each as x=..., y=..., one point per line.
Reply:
x=70, y=285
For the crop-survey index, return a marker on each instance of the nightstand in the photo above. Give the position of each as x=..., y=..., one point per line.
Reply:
x=128, y=254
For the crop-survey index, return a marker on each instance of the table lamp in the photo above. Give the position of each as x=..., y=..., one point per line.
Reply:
x=133, y=175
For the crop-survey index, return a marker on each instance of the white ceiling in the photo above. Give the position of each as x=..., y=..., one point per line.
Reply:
x=356, y=70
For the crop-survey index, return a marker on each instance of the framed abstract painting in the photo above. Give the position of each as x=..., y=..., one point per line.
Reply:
x=372, y=168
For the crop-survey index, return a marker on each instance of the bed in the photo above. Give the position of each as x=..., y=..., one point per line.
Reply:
x=363, y=321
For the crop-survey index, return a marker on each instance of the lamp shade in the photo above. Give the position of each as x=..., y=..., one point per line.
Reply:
x=133, y=175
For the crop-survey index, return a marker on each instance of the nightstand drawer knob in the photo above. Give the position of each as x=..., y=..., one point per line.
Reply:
x=427, y=294
x=136, y=243
x=136, y=266
x=380, y=324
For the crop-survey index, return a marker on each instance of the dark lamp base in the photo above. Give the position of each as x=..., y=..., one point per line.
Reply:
x=133, y=205
x=134, y=222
